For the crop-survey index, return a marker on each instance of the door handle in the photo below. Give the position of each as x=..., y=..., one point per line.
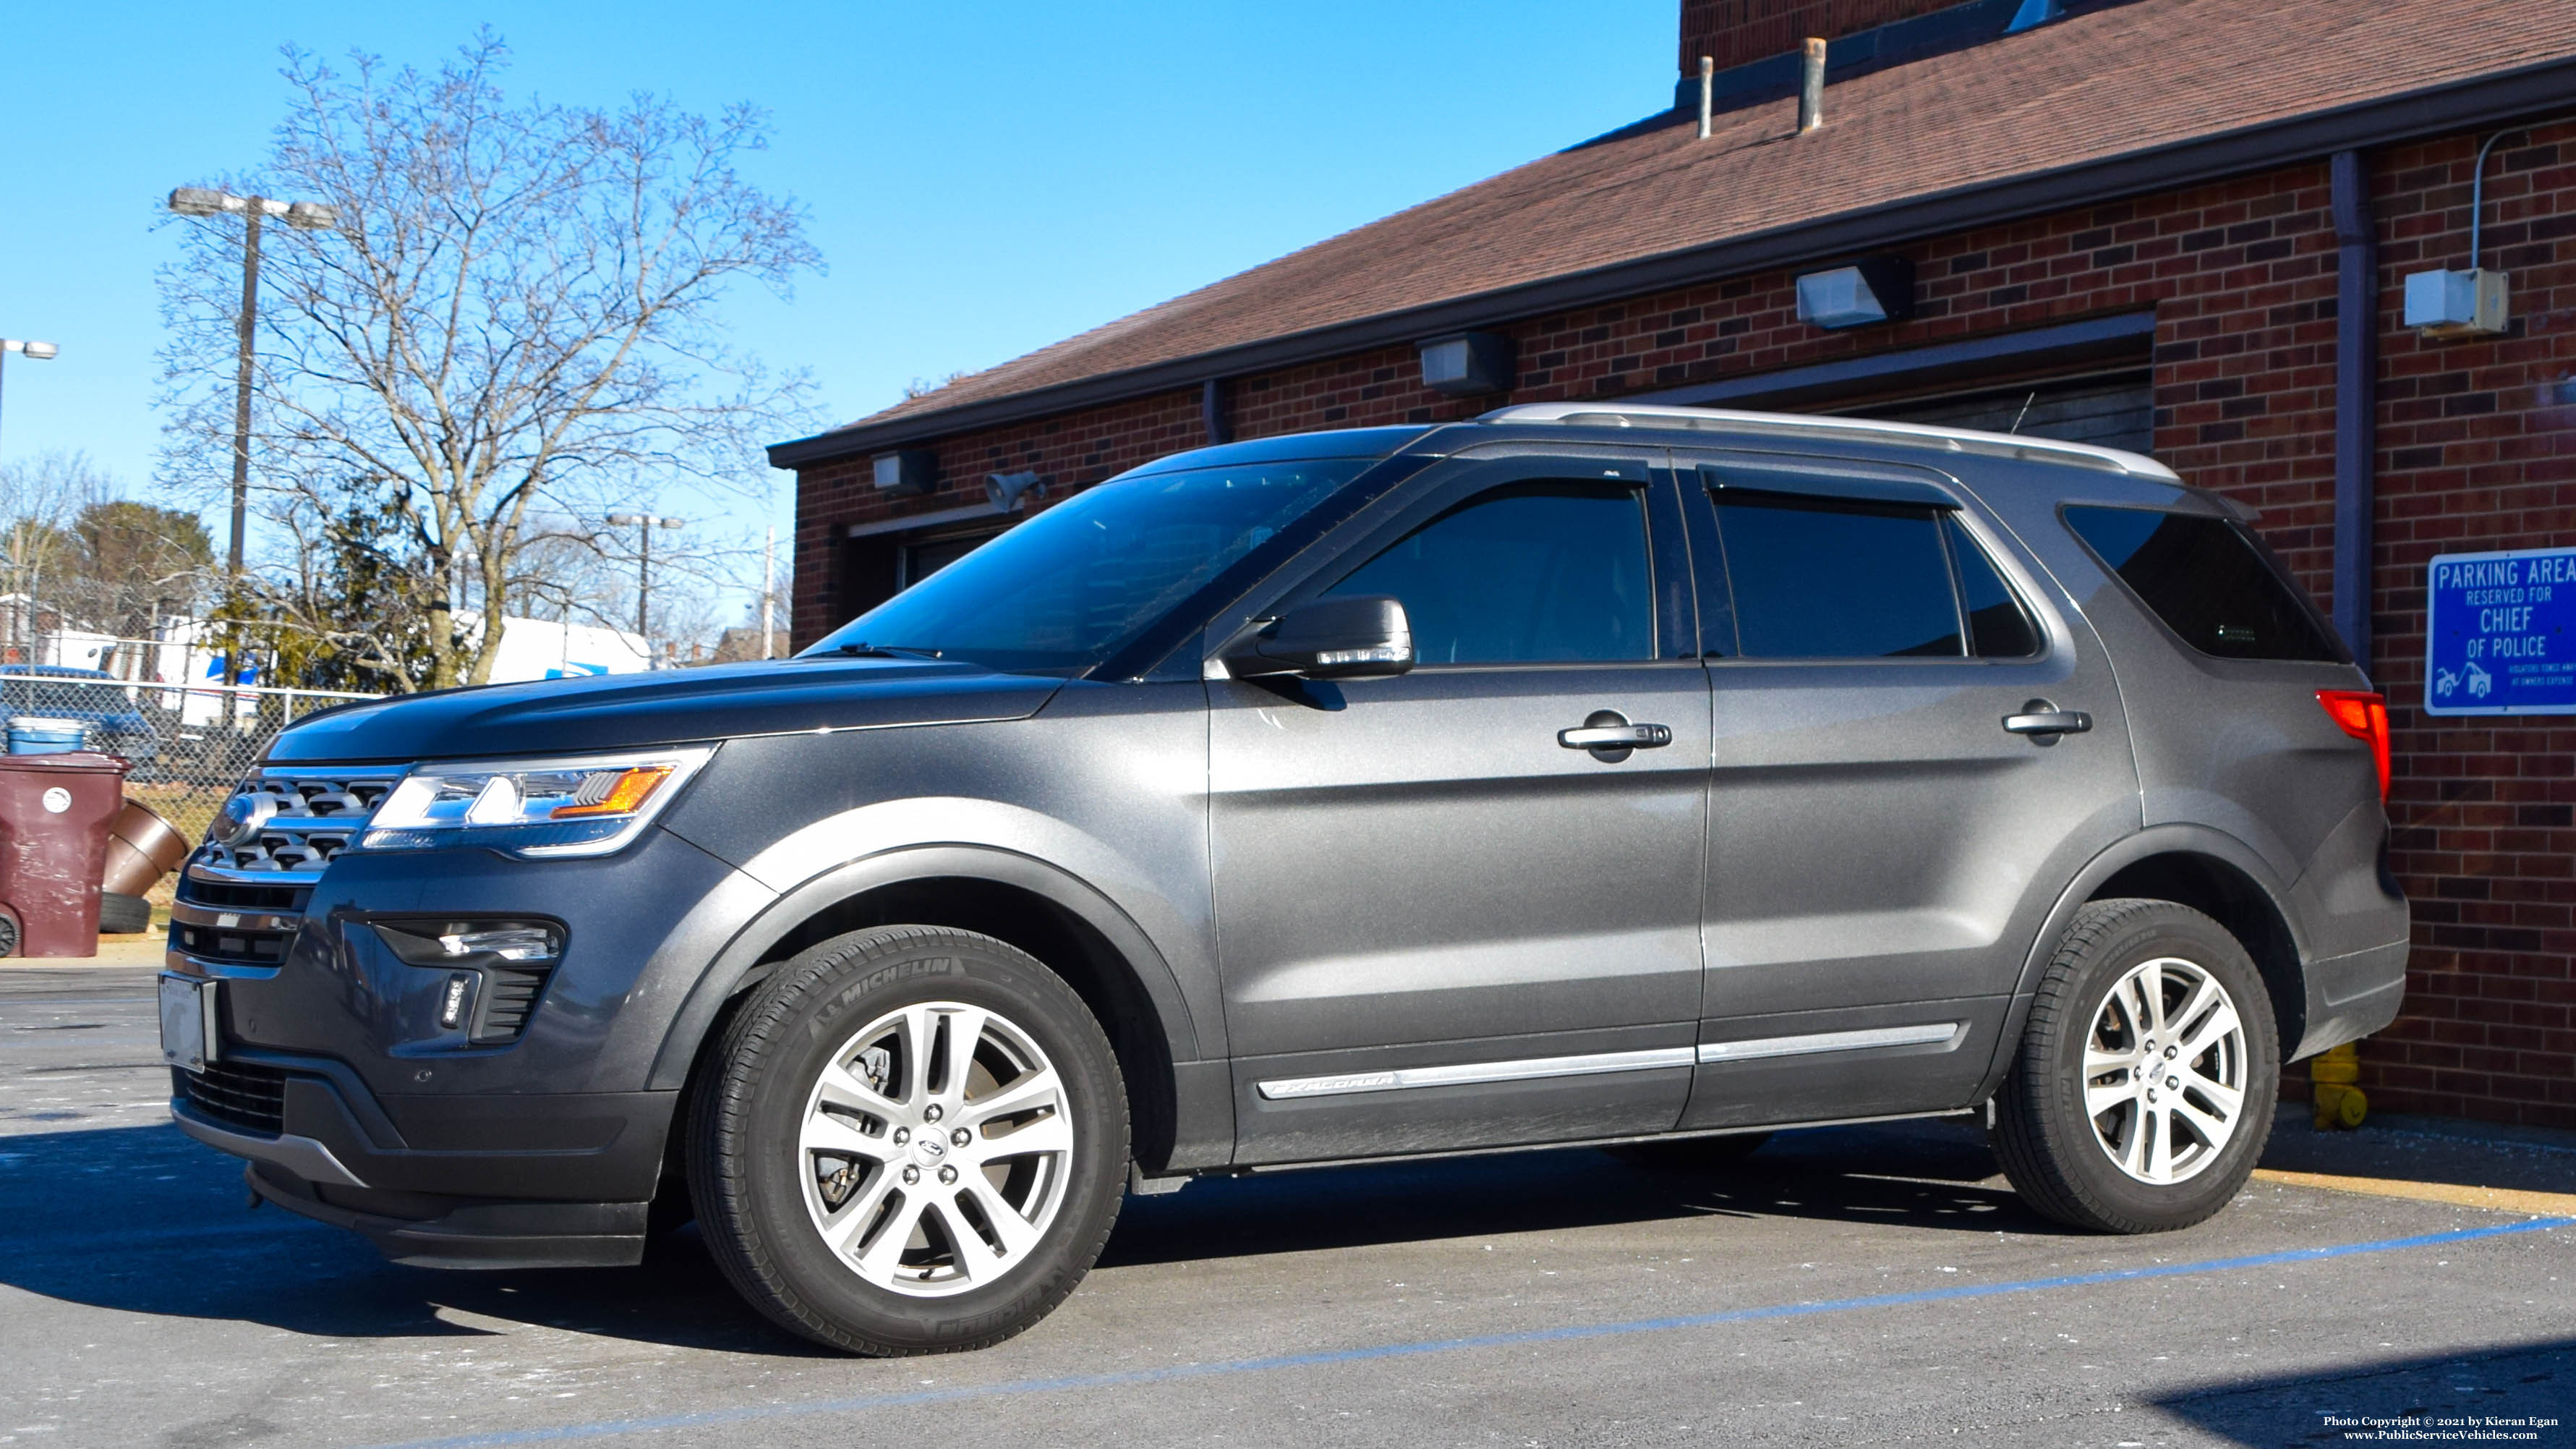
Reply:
x=1609, y=736
x=1616, y=737
x=2044, y=722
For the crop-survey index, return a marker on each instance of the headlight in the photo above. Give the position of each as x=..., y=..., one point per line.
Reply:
x=588, y=805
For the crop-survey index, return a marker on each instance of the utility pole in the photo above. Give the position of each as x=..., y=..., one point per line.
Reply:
x=644, y=525
x=768, y=592
x=305, y=216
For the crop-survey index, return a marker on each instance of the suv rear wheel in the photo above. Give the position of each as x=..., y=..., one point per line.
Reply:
x=912, y=1140
x=2144, y=1088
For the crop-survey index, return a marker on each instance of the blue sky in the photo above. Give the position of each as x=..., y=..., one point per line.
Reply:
x=982, y=179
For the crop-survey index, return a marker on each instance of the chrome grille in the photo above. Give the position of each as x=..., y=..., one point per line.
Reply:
x=312, y=816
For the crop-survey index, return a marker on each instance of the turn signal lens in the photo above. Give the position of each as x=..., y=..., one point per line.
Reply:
x=2364, y=716
x=613, y=792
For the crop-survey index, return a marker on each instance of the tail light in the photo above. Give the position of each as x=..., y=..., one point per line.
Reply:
x=2364, y=716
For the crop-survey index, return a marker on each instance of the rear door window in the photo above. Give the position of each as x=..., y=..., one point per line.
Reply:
x=1818, y=578
x=1529, y=573
x=2209, y=580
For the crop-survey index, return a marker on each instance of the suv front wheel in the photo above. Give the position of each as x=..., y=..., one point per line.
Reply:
x=911, y=1140
x=2144, y=1088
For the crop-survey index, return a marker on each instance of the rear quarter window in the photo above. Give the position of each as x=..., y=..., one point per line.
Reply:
x=2209, y=580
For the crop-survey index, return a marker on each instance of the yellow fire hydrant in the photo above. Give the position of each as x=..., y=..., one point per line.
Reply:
x=2339, y=1103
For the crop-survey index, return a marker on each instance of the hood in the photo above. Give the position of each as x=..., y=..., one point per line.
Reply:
x=623, y=711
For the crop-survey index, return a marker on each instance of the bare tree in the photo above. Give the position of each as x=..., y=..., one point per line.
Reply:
x=39, y=552
x=516, y=320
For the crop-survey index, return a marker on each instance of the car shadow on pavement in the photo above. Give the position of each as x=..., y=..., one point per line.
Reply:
x=2363, y=1401
x=1936, y=1175
x=143, y=1220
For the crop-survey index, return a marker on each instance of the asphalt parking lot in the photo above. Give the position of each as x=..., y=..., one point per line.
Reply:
x=1856, y=1285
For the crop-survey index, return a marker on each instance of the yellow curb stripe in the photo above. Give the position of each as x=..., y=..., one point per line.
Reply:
x=2495, y=1199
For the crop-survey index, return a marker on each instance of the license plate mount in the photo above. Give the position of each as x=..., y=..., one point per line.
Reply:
x=188, y=1033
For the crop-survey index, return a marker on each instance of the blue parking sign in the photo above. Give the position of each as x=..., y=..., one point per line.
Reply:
x=2500, y=632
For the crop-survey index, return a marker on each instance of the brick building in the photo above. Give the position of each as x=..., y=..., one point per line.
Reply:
x=2144, y=223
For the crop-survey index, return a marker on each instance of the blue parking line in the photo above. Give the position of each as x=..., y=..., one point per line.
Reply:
x=611, y=1428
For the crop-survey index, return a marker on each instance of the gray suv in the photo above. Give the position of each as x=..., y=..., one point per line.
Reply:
x=1582, y=775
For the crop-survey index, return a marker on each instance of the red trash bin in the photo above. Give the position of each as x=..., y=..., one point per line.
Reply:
x=54, y=811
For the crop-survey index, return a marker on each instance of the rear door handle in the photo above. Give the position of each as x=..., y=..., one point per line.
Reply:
x=2045, y=723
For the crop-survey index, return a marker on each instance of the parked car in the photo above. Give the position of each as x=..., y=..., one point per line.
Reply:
x=1582, y=775
x=104, y=703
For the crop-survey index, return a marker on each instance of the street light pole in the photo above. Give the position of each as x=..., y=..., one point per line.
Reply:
x=305, y=216
x=40, y=351
x=644, y=525
x=35, y=351
x=243, y=325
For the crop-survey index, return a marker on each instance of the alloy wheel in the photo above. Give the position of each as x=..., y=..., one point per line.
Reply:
x=2165, y=1071
x=935, y=1149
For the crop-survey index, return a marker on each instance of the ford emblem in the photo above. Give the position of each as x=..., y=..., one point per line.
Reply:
x=242, y=818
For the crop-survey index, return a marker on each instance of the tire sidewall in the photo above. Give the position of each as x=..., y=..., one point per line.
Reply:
x=2163, y=931
x=810, y=1018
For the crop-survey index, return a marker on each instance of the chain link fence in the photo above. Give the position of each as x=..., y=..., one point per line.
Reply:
x=185, y=745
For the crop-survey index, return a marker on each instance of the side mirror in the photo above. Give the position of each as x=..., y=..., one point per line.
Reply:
x=1366, y=637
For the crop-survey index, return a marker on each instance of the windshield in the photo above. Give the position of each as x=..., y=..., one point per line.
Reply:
x=1062, y=591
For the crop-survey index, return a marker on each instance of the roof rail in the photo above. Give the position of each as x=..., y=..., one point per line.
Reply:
x=1858, y=430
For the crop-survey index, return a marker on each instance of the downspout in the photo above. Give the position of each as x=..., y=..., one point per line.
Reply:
x=2356, y=399
x=1212, y=411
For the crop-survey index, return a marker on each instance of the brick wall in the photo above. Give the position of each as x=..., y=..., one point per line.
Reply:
x=2477, y=450
x=1732, y=32
x=1068, y=453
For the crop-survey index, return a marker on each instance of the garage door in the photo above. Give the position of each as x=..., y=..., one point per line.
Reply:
x=2110, y=412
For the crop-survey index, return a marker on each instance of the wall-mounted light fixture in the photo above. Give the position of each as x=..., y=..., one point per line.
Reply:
x=1464, y=364
x=1873, y=289
x=907, y=472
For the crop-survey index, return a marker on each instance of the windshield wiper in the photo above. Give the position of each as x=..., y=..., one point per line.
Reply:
x=888, y=651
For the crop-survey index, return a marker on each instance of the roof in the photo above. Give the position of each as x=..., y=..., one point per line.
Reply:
x=2136, y=97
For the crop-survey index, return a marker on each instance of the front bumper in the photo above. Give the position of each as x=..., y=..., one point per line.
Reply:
x=562, y=1181
x=475, y=1234
x=335, y=1078
x=590, y=1146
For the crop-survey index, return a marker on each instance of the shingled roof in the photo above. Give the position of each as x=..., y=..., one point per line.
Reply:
x=2136, y=97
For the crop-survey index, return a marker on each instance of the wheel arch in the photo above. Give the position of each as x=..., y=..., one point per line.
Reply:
x=1065, y=923
x=2192, y=865
x=2225, y=893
